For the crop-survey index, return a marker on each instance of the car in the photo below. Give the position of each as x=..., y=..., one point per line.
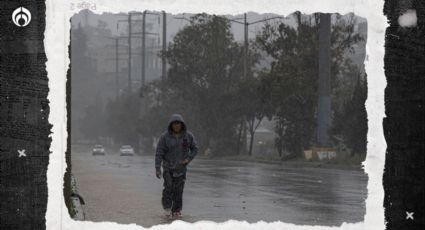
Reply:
x=98, y=150
x=126, y=150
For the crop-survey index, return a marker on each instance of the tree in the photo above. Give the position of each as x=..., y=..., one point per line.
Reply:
x=81, y=77
x=294, y=72
x=202, y=83
x=351, y=121
x=92, y=122
x=122, y=119
x=255, y=99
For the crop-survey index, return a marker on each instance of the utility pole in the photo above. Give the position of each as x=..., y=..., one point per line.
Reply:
x=116, y=69
x=117, y=59
x=129, y=53
x=246, y=24
x=143, y=70
x=143, y=53
x=164, y=45
x=245, y=59
x=143, y=48
x=324, y=100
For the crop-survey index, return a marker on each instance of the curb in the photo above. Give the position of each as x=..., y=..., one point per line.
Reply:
x=77, y=201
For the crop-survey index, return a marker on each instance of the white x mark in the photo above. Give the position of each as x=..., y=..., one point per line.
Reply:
x=409, y=215
x=22, y=153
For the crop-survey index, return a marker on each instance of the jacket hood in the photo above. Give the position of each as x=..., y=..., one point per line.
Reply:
x=179, y=118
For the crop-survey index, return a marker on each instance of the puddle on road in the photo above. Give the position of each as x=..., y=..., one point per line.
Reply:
x=118, y=164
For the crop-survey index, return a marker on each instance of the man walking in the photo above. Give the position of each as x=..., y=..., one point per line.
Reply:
x=176, y=148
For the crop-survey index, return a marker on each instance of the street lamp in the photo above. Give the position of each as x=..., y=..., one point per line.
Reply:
x=246, y=24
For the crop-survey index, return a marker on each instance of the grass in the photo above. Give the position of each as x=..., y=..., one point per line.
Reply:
x=72, y=210
x=356, y=159
x=341, y=159
x=253, y=158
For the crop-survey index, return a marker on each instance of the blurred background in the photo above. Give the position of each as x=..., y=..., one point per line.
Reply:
x=276, y=105
x=245, y=84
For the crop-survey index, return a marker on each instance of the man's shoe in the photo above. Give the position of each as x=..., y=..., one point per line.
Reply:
x=167, y=212
x=177, y=214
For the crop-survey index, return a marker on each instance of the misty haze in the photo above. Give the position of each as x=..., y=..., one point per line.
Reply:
x=276, y=105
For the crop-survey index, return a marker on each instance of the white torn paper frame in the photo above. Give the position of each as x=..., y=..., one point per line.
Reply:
x=57, y=38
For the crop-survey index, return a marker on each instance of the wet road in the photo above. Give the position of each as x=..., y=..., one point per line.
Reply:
x=125, y=190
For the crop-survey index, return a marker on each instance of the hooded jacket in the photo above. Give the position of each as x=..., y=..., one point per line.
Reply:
x=170, y=150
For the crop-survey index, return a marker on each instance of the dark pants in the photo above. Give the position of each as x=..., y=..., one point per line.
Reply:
x=172, y=195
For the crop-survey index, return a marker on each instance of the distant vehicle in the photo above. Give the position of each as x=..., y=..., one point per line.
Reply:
x=126, y=150
x=98, y=150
